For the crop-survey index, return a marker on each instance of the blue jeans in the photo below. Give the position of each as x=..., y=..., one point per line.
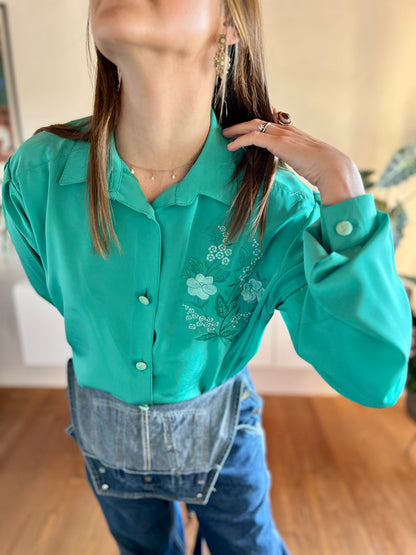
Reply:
x=208, y=452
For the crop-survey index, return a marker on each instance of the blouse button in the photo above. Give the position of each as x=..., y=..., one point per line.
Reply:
x=141, y=365
x=105, y=486
x=344, y=227
x=143, y=299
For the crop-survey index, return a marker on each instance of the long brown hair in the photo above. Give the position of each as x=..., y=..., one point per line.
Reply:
x=243, y=93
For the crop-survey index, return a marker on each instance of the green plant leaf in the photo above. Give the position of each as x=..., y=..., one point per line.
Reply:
x=401, y=166
x=410, y=278
x=381, y=204
x=365, y=176
x=398, y=220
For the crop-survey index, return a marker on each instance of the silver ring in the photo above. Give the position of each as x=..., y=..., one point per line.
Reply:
x=263, y=126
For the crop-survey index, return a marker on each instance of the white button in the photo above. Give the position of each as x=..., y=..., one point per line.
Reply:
x=143, y=299
x=102, y=469
x=344, y=227
x=105, y=486
x=199, y=495
x=141, y=365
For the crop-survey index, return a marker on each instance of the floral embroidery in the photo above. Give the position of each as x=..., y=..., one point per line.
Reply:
x=252, y=291
x=201, y=286
x=222, y=313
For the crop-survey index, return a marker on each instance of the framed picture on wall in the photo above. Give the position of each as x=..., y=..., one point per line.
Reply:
x=11, y=135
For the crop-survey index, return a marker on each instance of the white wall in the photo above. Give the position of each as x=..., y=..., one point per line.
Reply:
x=50, y=61
x=53, y=85
x=345, y=70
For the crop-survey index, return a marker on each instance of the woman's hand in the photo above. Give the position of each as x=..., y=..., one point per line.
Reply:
x=332, y=172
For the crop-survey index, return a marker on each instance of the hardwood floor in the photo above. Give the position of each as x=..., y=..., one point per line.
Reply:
x=343, y=478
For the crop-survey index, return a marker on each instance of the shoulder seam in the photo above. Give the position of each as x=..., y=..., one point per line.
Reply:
x=25, y=165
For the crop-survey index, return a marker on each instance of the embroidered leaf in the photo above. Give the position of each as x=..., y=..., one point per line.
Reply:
x=243, y=257
x=220, y=305
x=207, y=336
x=229, y=333
x=233, y=302
x=225, y=339
x=195, y=265
x=220, y=275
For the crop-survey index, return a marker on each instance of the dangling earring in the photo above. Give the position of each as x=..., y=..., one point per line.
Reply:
x=119, y=78
x=222, y=61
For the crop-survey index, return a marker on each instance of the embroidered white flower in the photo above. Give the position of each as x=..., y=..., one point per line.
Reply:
x=241, y=317
x=202, y=278
x=201, y=286
x=252, y=290
x=256, y=255
x=209, y=323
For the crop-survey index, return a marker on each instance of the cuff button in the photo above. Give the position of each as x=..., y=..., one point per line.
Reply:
x=344, y=227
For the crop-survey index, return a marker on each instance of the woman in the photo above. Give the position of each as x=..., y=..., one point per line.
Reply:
x=161, y=328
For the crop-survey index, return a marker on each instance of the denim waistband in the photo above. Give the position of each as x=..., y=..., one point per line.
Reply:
x=170, y=450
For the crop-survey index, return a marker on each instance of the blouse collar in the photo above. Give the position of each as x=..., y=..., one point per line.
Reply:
x=208, y=176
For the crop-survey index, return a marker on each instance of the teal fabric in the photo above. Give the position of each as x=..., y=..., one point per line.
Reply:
x=176, y=312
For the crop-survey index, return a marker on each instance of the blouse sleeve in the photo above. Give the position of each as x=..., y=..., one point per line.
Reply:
x=342, y=300
x=21, y=234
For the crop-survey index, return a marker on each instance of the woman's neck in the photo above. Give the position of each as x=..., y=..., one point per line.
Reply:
x=164, y=119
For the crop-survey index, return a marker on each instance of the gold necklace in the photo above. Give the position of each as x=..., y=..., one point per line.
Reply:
x=173, y=176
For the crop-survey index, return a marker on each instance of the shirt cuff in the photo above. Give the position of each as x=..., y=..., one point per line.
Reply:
x=347, y=224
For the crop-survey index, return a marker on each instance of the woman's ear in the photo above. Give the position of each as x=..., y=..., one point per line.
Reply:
x=229, y=29
x=232, y=35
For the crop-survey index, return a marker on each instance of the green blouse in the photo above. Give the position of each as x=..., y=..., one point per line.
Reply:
x=177, y=312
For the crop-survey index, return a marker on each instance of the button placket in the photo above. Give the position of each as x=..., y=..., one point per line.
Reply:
x=141, y=365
